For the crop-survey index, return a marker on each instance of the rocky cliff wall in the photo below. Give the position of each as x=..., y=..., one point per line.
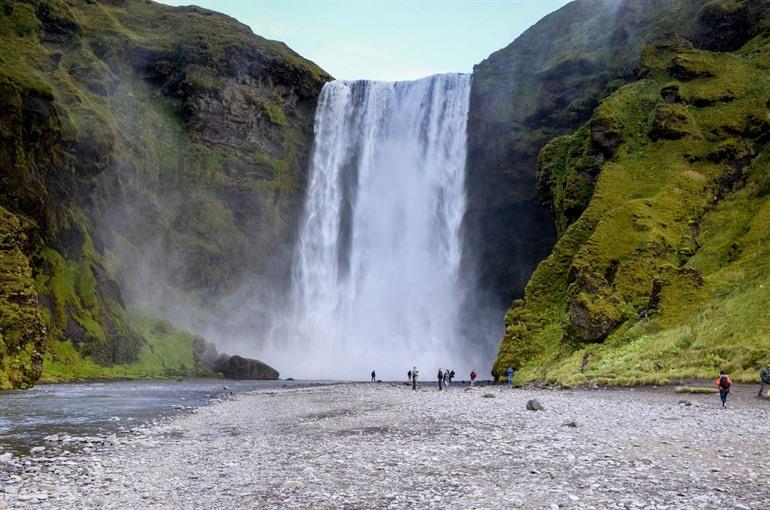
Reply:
x=136, y=135
x=544, y=84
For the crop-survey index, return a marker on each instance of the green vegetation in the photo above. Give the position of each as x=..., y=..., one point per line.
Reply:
x=21, y=330
x=168, y=352
x=665, y=273
x=698, y=390
x=153, y=153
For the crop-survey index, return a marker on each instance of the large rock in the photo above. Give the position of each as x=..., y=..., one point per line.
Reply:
x=238, y=367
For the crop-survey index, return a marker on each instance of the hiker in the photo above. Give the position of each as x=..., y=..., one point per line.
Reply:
x=446, y=379
x=510, y=375
x=440, y=379
x=723, y=383
x=473, y=377
x=764, y=379
x=414, y=378
x=451, y=375
x=409, y=376
x=374, y=376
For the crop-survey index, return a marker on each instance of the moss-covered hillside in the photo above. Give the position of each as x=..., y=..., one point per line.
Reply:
x=662, y=205
x=546, y=84
x=135, y=135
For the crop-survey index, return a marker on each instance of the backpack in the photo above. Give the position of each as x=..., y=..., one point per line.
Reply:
x=724, y=382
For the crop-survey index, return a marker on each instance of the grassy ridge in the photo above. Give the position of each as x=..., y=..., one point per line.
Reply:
x=662, y=269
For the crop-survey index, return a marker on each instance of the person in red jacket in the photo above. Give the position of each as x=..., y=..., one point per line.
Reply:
x=724, y=384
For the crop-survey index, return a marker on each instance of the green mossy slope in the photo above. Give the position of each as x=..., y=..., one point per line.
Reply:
x=168, y=352
x=146, y=151
x=662, y=267
x=22, y=334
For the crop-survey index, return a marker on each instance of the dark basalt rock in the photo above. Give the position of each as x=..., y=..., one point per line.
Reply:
x=535, y=405
x=238, y=367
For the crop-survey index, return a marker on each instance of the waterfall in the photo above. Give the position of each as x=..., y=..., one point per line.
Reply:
x=375, y=281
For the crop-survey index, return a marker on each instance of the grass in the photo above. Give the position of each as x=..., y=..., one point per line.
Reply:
x=168, y=352
x=696, y=389
x=677, y=211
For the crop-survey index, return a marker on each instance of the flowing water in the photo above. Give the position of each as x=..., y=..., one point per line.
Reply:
x=377, y=266
x=84, y=409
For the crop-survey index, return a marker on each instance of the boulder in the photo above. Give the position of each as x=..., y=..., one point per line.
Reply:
x=535, y=405
x=238, y=367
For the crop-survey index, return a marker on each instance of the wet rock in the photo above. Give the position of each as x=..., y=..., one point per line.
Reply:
x=238, y=367
x=489, y=395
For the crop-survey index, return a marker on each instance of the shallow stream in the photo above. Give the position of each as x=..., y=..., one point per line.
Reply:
x=88, y=409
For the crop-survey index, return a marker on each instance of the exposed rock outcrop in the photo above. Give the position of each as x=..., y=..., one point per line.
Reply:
x=238, y=367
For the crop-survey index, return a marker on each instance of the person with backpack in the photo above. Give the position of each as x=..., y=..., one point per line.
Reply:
x=451, y=376
x=473, y=377
x=724, y=384
x=440, y=379
x=764, y=379
x=374, y=376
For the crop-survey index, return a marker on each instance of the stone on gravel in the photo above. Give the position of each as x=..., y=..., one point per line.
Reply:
x=535, y=405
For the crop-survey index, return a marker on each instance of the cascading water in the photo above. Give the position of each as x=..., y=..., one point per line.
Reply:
x=377, y=265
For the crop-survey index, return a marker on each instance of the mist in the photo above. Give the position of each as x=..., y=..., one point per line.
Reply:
x=370, y=273
x=376, y=279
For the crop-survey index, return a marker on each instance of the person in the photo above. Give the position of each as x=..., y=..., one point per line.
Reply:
x=409, y=376
x=374, y=376
x=446, y=379
x=473, y=377
x=723, y=383
x=440, y=379
x=451, y=375
x=764, y=378
x=510, y=375
x=414, y=378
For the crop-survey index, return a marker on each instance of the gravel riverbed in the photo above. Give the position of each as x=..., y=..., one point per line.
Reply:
x=384, y=446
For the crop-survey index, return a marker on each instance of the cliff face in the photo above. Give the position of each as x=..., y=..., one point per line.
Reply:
x=146, y=136
x=661, y=268
x=545, y=84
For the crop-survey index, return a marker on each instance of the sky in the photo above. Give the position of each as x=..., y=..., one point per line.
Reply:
x=387, y=39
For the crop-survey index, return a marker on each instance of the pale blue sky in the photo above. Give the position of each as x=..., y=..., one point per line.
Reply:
x=387, y=39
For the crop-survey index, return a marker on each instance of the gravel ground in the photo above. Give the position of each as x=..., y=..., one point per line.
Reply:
x=384, y=446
